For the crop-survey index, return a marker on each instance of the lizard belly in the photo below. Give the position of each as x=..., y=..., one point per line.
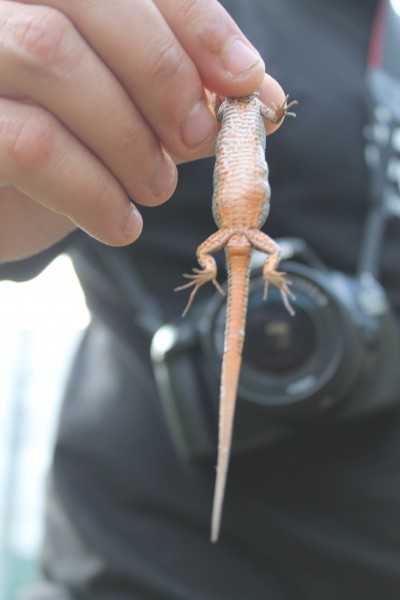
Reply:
x=241, y=200
x=241, y=188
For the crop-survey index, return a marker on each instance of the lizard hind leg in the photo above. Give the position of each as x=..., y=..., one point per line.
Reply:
x=208, y=271
x=265, y=244
x=198, y=278
x=278, y=278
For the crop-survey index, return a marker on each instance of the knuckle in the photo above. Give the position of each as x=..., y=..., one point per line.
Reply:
x=97, y=215
x=99, y=191
x=28, y=141
x=195, y=10
x=39, y=38
x=165, y=61
x=130, y=134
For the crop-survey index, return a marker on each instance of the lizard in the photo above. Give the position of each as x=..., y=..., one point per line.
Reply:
x=240, y=208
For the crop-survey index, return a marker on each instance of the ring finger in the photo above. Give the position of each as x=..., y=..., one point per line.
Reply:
x=42, y=56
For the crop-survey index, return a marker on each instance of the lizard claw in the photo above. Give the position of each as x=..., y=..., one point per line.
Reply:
x=279, y=280
x=198, y=278
x=283, y=110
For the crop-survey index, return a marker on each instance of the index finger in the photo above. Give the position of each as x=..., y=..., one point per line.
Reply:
x=164, y=53
x=226, y=60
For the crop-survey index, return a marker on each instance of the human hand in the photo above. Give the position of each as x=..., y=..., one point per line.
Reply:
x=95, y=98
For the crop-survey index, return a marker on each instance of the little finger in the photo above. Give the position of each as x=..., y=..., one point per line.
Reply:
x=40, y=158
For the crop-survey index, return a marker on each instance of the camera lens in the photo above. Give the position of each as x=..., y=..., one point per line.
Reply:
x=276, y=343
x=294, y=365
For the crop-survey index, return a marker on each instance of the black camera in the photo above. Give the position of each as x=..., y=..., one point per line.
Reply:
x=337, y=358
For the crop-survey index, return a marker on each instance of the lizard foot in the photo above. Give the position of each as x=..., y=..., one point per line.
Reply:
x=198, y=278
x=276, y=114
x=278, y=279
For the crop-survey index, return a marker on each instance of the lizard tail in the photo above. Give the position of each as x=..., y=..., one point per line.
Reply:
x=238, y=283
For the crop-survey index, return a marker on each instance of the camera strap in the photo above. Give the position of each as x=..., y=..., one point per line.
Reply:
x=382, y=133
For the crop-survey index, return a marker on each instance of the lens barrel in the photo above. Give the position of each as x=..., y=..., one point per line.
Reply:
x=336, y=360
x=298, y=365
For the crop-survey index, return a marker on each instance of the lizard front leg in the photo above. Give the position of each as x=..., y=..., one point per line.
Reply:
x=276, y=114
x=208, y=271
x=264, y=243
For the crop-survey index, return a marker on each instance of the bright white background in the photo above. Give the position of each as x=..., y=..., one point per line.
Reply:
x=41, y=322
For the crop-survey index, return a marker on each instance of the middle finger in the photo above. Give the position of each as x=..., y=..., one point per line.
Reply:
x=43, y=56
x=135, y=41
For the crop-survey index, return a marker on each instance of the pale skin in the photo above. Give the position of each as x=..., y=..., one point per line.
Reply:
x=99, y=100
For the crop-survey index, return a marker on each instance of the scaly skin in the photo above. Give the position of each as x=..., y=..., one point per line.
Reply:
x=240, y=207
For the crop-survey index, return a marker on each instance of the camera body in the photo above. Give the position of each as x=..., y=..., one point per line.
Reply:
x=338, y=358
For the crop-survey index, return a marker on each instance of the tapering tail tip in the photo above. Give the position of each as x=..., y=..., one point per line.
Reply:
x=216, y=525
x=215, y=529
x=219, y=492
x=216, y=519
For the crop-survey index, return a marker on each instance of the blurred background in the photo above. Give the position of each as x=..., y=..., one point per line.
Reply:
x=41, y=322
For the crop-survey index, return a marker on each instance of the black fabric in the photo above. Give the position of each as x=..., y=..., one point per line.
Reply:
x=22, y=270
x=313, y=518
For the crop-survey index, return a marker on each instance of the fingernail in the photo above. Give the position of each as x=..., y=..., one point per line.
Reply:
x=199, y=125
x=240, y=58
x=133, y=225
x=164, y=178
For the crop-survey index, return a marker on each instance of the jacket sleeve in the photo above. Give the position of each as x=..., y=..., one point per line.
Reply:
x=28, y=268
